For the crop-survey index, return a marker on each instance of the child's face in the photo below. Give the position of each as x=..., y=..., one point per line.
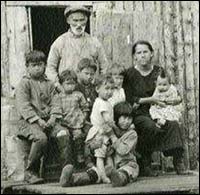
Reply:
x=36, y=69
x=86, y=75
x=162, y=84
x=118, y=79
x=124, y=122
x=69, y=86
x=105, y=91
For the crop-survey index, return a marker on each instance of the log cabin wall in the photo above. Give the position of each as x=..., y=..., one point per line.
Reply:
x=172, y=27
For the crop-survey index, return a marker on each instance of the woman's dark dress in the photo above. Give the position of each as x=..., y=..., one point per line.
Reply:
x=150, y=137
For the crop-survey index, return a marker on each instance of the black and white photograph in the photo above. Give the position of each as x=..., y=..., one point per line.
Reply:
x=99, y=97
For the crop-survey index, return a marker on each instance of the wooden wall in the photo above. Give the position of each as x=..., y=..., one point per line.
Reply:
x=171, y=26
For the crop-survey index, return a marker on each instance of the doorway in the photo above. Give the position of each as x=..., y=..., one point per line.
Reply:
x=48, y=23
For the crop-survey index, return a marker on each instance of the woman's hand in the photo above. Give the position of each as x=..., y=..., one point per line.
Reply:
x=156, y=101
x=135, y=106
x=174, y=101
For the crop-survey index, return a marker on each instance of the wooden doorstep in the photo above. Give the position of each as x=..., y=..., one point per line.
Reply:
x=170, y=183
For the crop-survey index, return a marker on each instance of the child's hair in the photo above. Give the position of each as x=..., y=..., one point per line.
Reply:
x=163, y=74
x=86, y=63
x=103, y=79
x=35, y=56
x=116, y=69
x=142, y=42
x=67, y=75
x=122, y=108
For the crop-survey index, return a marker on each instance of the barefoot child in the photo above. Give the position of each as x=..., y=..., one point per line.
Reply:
x=103, y=123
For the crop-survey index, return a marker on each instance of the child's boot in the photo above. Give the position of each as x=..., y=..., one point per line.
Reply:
x=85, y=178
x=66, y=176
x=119, y=178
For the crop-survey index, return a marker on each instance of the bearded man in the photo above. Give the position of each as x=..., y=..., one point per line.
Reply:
x=74, y=45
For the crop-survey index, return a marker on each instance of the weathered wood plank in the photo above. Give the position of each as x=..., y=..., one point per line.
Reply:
x=104, y=31
x=103, y=6
x=195, y=36
x=154, y=185
x=19, y=42
x=174, y=16
x=122, y=39
x=168, y=39
x=149, y=5
x=181, y=72
x=46, y=3
x=143, y=24
x=161, y=46
x=119, y=6
x=139, y=5
x=128, y=6
x=152, y=29
x=190, y=87
x=5, y=82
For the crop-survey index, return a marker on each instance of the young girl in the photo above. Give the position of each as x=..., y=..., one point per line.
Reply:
x=168, y=94
x=103, y=123
x=124, y=144
x=117, y=73
x=74, y=108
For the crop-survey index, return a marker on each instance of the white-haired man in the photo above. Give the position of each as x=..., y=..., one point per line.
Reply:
x=69, y=48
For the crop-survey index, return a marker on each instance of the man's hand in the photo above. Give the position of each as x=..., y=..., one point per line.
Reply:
x=158, y=102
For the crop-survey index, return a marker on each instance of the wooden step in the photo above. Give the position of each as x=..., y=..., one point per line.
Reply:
x=168, y=183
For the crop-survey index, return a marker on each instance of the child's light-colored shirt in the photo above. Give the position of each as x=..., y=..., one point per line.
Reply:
x=170, y=112
x=99, y=125
x=73, y=107
x=117, y=97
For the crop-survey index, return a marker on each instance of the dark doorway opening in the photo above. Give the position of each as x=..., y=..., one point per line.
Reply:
x=48, y=23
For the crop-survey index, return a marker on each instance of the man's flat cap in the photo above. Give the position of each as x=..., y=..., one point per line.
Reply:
x=72, y=9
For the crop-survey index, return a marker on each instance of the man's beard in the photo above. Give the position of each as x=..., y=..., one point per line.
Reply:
x=75, y=30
